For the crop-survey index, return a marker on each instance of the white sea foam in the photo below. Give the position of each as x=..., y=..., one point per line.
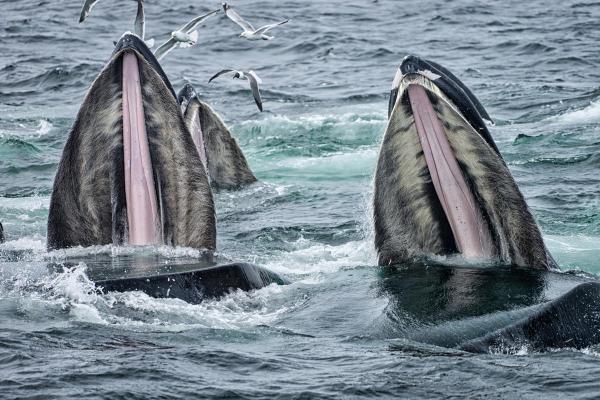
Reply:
x=311, y=258
x=367, y=118
x=44, y=127
x=32, y=203
x=589, y=114
x=34, y=243
x=74, y=292
x=348, y=162
x=575, y=251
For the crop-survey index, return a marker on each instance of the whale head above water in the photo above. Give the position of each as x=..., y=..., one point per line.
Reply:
x=221, y=155
x=129, y=173
x=441, y=185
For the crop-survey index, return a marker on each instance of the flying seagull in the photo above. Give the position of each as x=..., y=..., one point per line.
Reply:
x=87, y=8
x=249, y=31
x=139, y=26
x=186, y=36
x=250, y=76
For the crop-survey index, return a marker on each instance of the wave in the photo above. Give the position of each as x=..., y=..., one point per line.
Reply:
x=74, y=293
x=16, y=144
x=576, y=159
x=587, y=115
x=312, y=135
x=575, y=252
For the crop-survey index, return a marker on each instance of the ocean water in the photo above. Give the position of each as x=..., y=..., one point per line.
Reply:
x=534, y=65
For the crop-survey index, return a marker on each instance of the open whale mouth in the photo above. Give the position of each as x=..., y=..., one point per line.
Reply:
x=140, y=193
x=469, y=229
x=440, y=106
x=142, y=202
x=441, y=185
x=128, y=173
x=185, y=98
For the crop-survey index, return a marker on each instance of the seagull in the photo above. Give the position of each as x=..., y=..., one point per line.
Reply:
x=249, y=31
x=87, y=8
x=139, y=26
x=251, y=77
x=186, y=36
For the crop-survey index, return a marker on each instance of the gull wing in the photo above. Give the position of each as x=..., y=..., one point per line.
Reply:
x=86, y=9
x=191, y=26
x=140, y=20
x=237, y=18
x=164, y=48
x=254, y=81
x=266, y=28
x=224, y=71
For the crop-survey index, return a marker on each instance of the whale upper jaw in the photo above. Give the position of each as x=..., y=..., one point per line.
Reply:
x=185, y=96
x=441, y=185
x=132, y=42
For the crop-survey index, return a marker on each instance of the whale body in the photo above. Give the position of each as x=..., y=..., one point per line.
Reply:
x=489, y=308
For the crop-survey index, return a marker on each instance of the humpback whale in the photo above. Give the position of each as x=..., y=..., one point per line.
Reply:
x=221, y=156
x=129, y=172
x=441, y=185
x=484, y=309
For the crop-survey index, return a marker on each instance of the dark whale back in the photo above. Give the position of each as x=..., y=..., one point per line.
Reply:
x=489, y=309
x=571, y=321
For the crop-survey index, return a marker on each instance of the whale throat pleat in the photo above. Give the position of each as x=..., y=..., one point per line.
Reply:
x=470, y=232
x=142, y=205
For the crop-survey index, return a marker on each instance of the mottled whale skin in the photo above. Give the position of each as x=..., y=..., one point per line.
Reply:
x=441, y=185
x=88, y=204
x=485, y=309
x=223, y=159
